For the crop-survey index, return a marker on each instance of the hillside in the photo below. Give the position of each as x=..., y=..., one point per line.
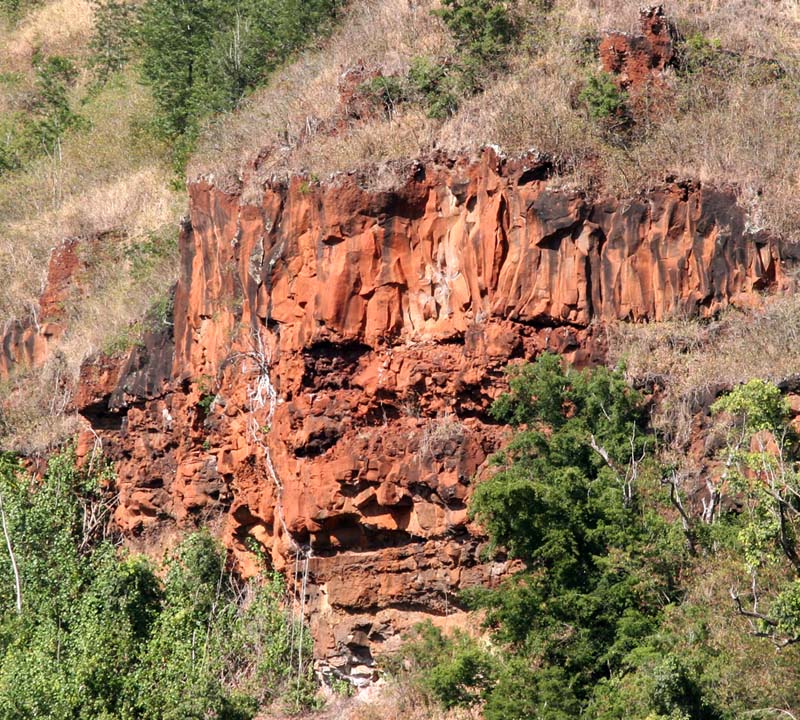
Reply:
x=396, y=358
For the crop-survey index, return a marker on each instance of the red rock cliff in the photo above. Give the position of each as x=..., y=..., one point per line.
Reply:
x=335, y=351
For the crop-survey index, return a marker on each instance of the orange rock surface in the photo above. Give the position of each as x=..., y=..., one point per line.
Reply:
x=325, y=389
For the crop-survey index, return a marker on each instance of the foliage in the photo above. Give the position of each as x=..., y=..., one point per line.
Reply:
x=699, y=52
x=205, y=386
x=435, y=85
x=385, y=91
x=112, y=42
x=571, y=500
x=483, y=30
x=101, y=636
x=754, y=407
x=524, y=691
x=760, y=457
x=54, y=77
x=201, y=56
x=602, y=98
x=39, y=131
x=16, y=8
x=452, y=670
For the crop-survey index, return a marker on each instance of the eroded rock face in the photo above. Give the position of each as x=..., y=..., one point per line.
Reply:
x=325, y=389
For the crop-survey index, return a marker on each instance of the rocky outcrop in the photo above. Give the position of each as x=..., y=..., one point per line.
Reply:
x=26, y=343
x=637, y=60
x=324, y=391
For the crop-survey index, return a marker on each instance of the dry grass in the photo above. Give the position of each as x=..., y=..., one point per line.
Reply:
x=441, y=435
x=108, y=179
x=60, y=27
x=401, y=700
x=736, y=130
x=689, y=362
x=385, y=34
x=33, y=416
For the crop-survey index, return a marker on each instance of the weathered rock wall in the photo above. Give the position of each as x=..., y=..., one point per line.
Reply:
x=325, y=388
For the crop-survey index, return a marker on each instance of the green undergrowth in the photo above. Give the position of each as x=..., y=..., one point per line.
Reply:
x=92, y=631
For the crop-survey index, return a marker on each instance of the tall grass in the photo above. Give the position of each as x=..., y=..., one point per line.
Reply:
x=107, y=183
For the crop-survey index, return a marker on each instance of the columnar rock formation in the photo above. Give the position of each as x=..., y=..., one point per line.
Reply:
x=324, y=392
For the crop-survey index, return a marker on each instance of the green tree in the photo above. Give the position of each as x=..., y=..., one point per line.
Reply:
x=483, y=30
x=112, y=41
x=760, y=463
x=566, y=501
x=201, y=56
x=176, y=37
x=101, y=637
x=603, y=99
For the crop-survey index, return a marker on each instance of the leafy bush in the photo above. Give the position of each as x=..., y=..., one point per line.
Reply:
x=569, y=501
x=436, y=86
x=454, y=670
x=15, y=8
x=483, y=30
x=39, y=131
x=699, y=52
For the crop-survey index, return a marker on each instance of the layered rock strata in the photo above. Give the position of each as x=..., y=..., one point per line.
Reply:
x=324, y=391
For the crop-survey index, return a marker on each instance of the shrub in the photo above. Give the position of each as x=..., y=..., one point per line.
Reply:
x=483, y=30
x=436, y=85
x=602, y=98
x=54, y=76
x=111, y=45
x=15, y=8
x=454, y=670
x=699, y=52
x=385, y=92
x=568, y=500
x=39, y=131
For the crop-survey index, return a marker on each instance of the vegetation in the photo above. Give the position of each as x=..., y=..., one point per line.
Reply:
x=732, y=89
x=604, y=621
x=602, y=97
x=643, y=595
x=201, y=57
x=688, y=361
x=88, y=631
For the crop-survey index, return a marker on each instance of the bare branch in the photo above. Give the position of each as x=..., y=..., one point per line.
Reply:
x=12, y=557
x=677, y=503
x=751, y=613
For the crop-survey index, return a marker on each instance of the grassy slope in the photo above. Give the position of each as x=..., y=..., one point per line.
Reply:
x=111, y=180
